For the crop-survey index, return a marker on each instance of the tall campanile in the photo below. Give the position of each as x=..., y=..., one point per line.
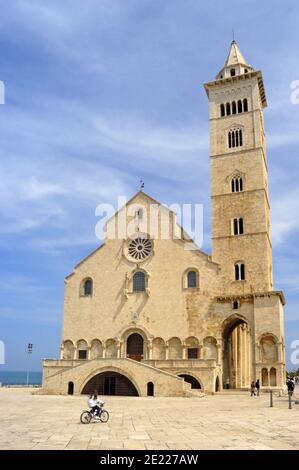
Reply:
x=241, y=241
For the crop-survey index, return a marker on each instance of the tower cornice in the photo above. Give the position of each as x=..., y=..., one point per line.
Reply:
x=237, y=78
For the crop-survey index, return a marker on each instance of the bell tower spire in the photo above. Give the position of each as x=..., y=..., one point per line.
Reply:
x=239, y=179
x=235, y=63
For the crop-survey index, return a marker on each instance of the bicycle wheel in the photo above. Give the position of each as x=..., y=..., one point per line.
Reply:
x=85, y=417
x=104, y=416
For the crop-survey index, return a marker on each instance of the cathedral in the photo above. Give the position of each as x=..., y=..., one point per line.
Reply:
x=152, y=315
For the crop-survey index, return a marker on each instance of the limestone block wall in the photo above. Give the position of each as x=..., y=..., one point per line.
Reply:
x=56, y=376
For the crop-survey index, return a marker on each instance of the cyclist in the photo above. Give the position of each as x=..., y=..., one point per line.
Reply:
x=93, y=403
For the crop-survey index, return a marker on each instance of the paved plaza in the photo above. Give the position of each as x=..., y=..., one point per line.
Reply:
x=230, y=420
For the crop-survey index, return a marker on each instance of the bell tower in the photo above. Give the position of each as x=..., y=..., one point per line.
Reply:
x=239, y=179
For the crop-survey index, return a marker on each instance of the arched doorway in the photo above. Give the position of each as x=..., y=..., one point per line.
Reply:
x=110, y=383
x=217, y=385
x=191, y=380
x=135, y=347
x=70, y=388
x=150, y=389
x=237, y=355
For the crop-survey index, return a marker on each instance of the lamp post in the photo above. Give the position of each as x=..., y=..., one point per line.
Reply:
x=29, y=352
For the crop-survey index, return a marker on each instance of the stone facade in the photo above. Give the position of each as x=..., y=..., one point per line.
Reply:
x=144, y=314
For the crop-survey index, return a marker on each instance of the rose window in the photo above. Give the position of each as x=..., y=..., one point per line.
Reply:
x=140, y=248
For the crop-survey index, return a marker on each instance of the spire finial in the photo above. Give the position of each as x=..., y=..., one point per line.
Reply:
x=141, y=185
x=233, y=34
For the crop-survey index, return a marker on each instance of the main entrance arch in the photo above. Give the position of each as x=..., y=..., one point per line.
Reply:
x=135, y=347
x=237, y=355
x=110, y=383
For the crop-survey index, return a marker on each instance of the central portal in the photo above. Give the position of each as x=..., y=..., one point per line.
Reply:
x=135, y=347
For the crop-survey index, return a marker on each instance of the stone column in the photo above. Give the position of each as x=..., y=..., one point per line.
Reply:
x=218, y=353
x=104, y=351
x=279, y=352
x=184, y=351
x=235, y=356
x=166, y=351
x=88, y=352
x=118, y=350
x=239, y=375
x=245, y=358
x=150, y=349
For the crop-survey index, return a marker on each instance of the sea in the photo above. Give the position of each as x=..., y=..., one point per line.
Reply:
x=20, y=378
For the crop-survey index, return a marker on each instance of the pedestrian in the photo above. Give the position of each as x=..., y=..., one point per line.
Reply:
x=257, y=386
x=252, y=389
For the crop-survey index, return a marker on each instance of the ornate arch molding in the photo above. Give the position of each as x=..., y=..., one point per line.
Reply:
x=128, y=290
x=125, y=332
x=232, y=321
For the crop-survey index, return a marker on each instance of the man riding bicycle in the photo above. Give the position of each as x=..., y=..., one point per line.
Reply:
x=93, y=403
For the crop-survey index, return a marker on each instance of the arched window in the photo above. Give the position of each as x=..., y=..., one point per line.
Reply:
x=228, y=109
x=222, y=110
x=245, y=105
x=150, y=389
x=192, y=279
x=82, y=349
x=235, y=138
x=240, y=271
x=70, y=388
x=139, y=282
x=238, y=226
x=233, y=72
x=234, y=108
x=237, y=184
x=240, y=138
x=139, y=214
x=240, y=107
x=87, y=288
x=236, y=304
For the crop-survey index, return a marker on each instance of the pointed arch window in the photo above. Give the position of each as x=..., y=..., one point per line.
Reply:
x=228, y=109
x=240, y=271
x=245, y=105
x=235, y=138
x=240, y=106
x=234, y=108
x=222, y=110
x=237, y=184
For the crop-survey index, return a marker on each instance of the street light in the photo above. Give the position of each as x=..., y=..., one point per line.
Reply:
x=29, y=352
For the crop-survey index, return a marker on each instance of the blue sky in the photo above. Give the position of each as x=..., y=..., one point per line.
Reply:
x=102, y=93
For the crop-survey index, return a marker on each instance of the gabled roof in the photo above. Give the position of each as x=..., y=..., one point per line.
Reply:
x=184, y=235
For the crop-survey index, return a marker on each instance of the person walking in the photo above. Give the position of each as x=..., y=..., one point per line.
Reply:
x=252, y=389
x=257, y=386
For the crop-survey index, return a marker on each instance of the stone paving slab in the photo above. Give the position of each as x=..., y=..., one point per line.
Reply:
x=224, y=421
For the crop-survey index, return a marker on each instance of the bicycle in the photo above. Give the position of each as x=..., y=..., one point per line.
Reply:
x=88, y=416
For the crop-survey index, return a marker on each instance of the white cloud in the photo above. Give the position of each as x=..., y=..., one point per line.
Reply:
x=284, y=215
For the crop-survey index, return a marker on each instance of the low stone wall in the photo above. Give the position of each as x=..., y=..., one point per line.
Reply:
x=58, y=374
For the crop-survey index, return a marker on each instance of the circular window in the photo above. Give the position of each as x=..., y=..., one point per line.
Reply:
x=140, y=248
